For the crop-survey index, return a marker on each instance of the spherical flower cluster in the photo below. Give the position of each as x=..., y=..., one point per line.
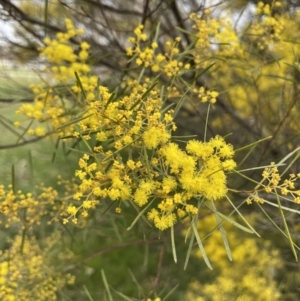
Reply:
x=207, y=96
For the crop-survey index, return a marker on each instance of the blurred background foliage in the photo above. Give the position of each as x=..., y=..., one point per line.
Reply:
x=258, y=85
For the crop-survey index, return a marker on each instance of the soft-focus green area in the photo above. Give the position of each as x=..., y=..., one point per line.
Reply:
x=41, y=153
x=36, y=162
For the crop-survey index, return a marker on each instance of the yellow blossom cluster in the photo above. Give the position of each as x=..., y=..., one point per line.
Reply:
x=214, y=35
x=206, y=96
x=134, y=158
x=206, y=29
x=50, y=108
x=26, y=271
x=287, y=187
x=227, y=40
x=157, y=171
x=60, y=52
x=273, y=183
x=266, y=8
x=168, y=63
x=131, y=153
x=21, y=209
x=26, y=208
x=267, y=27
x=220, y=36
x=45, y=110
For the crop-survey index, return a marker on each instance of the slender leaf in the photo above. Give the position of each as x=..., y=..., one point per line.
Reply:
x=203, y=72
x=283, y=207
x=198, y=239
x=173, y=245
x=206, y=123
x=275, y=225
x=188, y=254
x=46, y=17
x=111, y=98
x=236, y=224
x=31, y=169
x=13, y=178
x=222, y=230
x=290, y=164
x=156, y=32
x=87, y=293
x=286, y=228
x=73, y=121
x=289, y=155
x=259, y=167
x=140, y=214
x=136, y=283
x=170, y=293
x=25, y=131
x=252, y=144
x=55, y=151
x=145, y=94
x=80, y=84
x=24, y=231
x=241, y=216
x=179, y=104
x=106, y=285
x=123, y=296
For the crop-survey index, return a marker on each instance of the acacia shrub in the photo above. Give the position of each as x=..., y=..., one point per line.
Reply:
x=133, y=157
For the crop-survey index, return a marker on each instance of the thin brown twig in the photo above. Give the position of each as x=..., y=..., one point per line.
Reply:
x=159, y=268
x=9, y=146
